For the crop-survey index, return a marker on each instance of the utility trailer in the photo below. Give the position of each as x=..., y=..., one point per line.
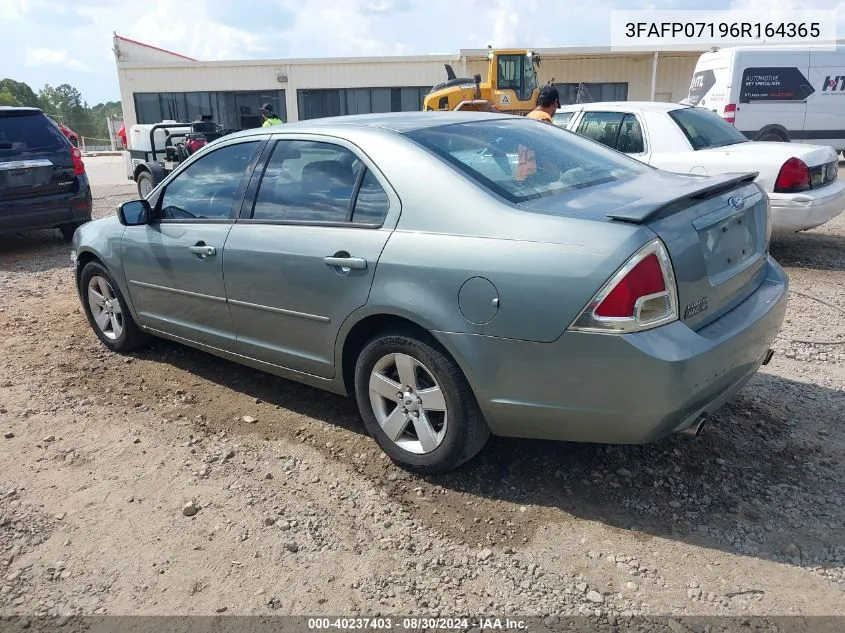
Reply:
x=157, y=149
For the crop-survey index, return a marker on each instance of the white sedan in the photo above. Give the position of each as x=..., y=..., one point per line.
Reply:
x=801, y=180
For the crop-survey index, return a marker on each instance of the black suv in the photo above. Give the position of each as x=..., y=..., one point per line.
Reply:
x=43, y=184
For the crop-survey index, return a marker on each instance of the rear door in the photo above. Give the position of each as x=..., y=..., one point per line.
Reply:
x=302, y=257
x=35, y=161
x=825, y=122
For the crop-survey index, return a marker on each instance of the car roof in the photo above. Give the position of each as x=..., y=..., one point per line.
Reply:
x=653, y=106
x=391, y=121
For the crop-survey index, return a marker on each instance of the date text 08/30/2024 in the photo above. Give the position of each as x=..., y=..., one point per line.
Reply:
x=415, y=624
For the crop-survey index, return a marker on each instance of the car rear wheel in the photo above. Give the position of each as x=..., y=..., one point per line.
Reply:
x=417, y=404
x=772, y=137
x=69, y=229
x=107, y=311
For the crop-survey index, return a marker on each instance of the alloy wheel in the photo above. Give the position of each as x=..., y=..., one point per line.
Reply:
x=105, y=307
x=408, y=403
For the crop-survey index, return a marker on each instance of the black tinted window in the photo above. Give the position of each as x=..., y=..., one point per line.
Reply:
x=372, y=203
x=705, y=129
x=521, y=161
x=307, y=181
x=630, y=140
x=601, y=126
x=28, y=132
x=207, y=189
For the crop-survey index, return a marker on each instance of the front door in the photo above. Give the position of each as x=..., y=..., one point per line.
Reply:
x=303, y=256
x=173, y=265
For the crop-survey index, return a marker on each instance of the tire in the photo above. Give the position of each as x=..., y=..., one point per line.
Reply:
x=772, y=137
x=119, y=332
x=68, y=230
x=145, y=183
x=450, y=437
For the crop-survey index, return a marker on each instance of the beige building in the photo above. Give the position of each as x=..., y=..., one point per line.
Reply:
x=156, y=84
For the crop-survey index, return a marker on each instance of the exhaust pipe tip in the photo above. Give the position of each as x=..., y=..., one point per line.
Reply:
x=768, y=357
x=696, y=429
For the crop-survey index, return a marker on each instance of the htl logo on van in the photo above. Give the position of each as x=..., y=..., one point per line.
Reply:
x=831, y=83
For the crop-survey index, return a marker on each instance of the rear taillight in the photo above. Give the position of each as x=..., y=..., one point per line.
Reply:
x=641, y=295
x=78, y=165
x=729, y=113
x=794, y=176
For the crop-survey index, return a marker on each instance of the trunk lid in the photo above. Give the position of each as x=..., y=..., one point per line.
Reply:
x=716, y=230
x=812, y=155
x=35, y=157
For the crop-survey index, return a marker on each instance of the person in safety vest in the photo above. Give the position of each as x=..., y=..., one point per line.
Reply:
x=270, y=117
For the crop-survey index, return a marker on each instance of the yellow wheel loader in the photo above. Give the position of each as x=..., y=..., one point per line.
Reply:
x=512, y=85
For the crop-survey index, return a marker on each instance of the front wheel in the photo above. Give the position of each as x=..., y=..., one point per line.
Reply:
x=417, y=404
x=107, y=311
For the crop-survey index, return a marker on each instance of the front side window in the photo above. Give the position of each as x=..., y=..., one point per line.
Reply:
x=206, y=189
x=316, y=182
x=704, y=129
x=510, y=72
x=490, y=153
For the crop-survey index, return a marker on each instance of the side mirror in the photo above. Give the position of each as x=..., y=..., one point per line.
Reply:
x=134, y=213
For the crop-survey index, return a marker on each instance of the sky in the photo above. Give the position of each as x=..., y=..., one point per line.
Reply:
x=69, y=41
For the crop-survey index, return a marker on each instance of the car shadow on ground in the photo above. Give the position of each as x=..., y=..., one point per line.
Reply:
x=268, y=388
x=760, y=481
x=34, y=251
x=814, y=250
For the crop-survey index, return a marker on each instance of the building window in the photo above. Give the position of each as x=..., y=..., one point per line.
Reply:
x=318, y=103
x=592, y=92
x=232, y=110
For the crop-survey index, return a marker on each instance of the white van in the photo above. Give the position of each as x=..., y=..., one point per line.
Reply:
x=776, y=93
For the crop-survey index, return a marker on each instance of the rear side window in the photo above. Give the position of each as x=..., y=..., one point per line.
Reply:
x=317, y=182
x=22, y=132
x=561, y=118
x=521, y=161
x=630, y=140
x=704, y=129
x=601, y=126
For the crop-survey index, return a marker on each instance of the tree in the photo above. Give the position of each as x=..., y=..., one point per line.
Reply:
x=65, y=103
x=22, y=93
x=8, y=99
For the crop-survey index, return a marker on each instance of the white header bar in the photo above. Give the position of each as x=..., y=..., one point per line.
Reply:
x=667, y=30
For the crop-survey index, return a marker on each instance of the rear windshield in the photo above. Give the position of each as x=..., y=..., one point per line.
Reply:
x=705, y=129
x=28, y=132
x=521, y=159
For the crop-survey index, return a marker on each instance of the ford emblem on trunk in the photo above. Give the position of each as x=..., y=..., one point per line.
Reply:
x=736, y=202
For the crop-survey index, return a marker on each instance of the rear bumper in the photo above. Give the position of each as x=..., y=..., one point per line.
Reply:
x=792, y=212
x=626, y=389
x=46, y=212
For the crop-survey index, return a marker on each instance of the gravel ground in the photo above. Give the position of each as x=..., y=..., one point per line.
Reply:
x=171, y=482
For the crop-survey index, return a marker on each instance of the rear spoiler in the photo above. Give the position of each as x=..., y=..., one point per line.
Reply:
x=666, y=203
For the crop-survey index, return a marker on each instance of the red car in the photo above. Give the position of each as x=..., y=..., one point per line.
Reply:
x=70, y=134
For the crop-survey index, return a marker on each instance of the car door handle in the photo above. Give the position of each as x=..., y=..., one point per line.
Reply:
x=352, y=263
x=203, y=250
